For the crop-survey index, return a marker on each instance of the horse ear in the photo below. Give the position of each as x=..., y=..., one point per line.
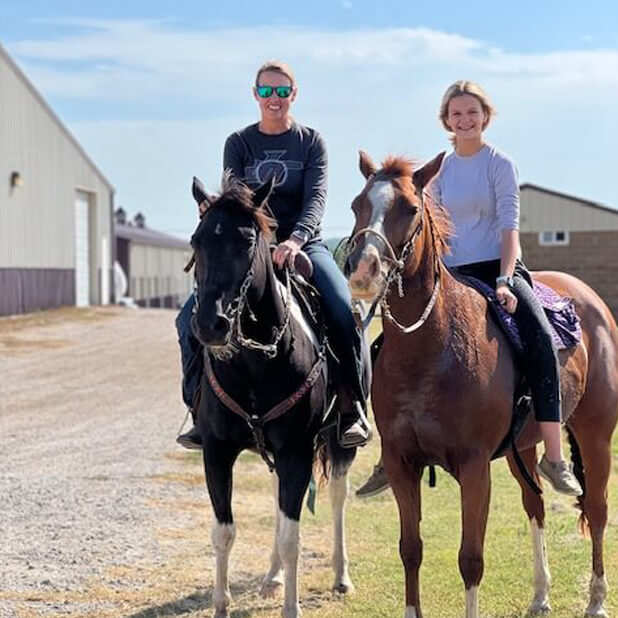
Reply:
x=423, y=175
x=199, y=192
x=366, y=165
x=262, y=193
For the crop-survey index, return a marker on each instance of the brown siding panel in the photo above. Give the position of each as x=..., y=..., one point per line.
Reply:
x=589, y=256
x=30, y=289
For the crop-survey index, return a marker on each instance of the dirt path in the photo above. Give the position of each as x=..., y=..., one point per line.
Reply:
x=101, y=514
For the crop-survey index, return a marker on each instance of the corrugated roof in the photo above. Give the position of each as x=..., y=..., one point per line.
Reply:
x=147, y=236
x=528, y=185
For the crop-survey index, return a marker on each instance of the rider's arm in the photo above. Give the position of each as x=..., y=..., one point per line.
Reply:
x=233, y=159
x=506, y=188
x=509, y=252
x=314, y=192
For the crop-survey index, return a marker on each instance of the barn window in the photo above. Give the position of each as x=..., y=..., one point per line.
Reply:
x=560, y=237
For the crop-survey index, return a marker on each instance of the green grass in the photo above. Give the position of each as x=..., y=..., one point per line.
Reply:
x=373, y=540
x=506, y=590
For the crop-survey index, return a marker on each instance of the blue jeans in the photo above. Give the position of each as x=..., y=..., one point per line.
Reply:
x=343, y=335
x=190, y=353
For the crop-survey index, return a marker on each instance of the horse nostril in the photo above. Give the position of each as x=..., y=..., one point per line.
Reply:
x=374, y=266
x=221, y=325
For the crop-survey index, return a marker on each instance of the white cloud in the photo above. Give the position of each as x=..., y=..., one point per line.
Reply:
x=132, y=58
x=373, y=88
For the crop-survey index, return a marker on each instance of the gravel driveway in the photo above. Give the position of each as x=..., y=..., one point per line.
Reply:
x=90, y=478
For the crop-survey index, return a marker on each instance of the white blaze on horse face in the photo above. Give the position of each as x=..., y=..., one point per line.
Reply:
x=381, y=195
x=288, y=543
x=542, y=578
x=223, y=536
x=218, y=229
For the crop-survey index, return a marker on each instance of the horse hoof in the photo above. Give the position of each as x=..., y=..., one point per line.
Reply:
x=291, y=612
x=596, y=612
x=539, y=606
x=345, y=587
x=222, y=613
x=270, y=588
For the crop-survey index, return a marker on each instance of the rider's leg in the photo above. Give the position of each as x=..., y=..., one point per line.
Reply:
x=192, y=365
x=345, y=339
x=544, y=378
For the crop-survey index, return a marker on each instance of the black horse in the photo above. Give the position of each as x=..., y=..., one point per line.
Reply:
x=265, y=385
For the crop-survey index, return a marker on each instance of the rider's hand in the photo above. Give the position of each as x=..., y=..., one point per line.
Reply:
x=285, y=252
x=506, y=298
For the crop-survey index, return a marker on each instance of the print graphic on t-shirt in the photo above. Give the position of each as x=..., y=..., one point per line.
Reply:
x=273, y=165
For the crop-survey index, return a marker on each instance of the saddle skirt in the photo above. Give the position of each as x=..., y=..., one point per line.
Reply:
x=305, y=306
x=560, y=311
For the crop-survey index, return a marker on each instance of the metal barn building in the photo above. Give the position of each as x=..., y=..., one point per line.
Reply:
x=56, y=207
x=561, y=232
x=153, y=263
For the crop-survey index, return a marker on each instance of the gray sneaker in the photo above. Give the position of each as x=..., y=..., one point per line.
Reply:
x=375, y=484
x=560, y=476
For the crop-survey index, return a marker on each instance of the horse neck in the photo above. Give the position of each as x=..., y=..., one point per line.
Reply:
x=418, y=284
x=263, y=295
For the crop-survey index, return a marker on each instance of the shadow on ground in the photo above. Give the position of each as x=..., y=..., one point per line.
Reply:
x=201, y=601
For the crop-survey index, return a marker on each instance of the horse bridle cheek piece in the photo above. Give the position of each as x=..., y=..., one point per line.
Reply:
x=396, y=272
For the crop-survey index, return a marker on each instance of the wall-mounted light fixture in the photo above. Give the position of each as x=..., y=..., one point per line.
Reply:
x=16, y=180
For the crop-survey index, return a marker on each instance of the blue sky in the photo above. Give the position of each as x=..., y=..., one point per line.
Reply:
x=151, y=89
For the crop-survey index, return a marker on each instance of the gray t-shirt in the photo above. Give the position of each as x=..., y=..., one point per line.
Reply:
x=481, y=194
x=297, y=159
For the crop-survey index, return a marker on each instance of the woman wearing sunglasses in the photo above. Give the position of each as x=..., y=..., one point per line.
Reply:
x=295, y=156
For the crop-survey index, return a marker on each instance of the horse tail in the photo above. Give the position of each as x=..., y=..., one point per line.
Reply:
x=578, y=471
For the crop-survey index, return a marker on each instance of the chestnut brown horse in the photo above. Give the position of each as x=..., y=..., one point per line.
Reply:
x=444, y=380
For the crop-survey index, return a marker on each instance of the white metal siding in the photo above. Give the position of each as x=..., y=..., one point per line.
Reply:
x=544, y=212
x=159, y=271
x=37, y=220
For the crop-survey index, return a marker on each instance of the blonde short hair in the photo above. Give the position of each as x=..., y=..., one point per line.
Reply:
x=275, y=66
x=458, y=89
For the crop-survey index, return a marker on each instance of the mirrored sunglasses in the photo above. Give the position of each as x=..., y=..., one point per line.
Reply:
x=283, y=92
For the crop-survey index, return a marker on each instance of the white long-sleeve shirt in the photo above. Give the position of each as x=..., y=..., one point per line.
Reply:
x=481, y=194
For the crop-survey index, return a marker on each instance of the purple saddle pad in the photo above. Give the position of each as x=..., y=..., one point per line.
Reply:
x=560, y=311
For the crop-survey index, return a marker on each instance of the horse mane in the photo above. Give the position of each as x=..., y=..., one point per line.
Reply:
x=400, y=169
x=235, y=193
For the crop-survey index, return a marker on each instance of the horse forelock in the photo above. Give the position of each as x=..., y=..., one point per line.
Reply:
x=400, y=171
x=235, y=194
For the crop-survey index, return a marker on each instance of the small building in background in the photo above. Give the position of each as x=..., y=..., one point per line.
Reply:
x=153, y=263
x=577, y=236
x=56, y=207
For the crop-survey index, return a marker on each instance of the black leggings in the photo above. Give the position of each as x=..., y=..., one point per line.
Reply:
x=541, y=359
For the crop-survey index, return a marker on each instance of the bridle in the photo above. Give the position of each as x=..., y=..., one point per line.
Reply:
x=395, y=273
x=236, y=308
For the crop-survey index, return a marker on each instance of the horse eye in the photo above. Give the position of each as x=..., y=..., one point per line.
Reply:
x=248, y=235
